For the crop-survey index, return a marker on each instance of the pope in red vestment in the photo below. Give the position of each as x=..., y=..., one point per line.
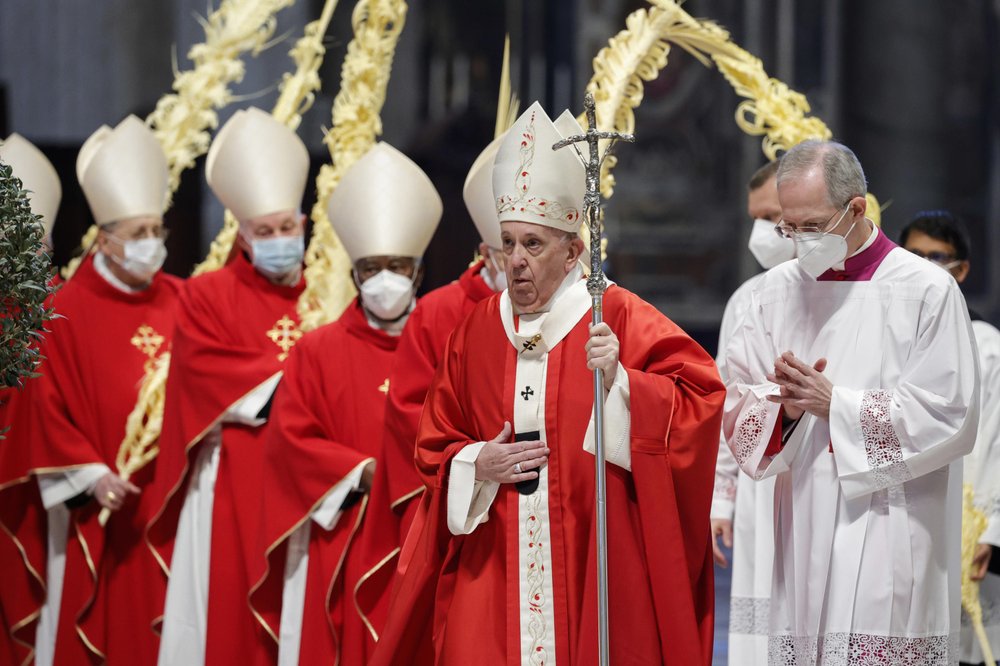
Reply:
x=502, y=569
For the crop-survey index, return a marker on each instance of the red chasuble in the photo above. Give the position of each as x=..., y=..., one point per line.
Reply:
x=420, y=350
x=234, y=331
x=96, y=354
x=660, y=559
x=326, y=420
x=24, y=527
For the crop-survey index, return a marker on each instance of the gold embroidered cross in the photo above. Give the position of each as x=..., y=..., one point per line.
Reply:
x=148, y=342
x=530, y=344
x=385, y=386
x=284, y=334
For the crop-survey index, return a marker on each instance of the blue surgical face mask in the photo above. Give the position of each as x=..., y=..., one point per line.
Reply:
x=277, y=257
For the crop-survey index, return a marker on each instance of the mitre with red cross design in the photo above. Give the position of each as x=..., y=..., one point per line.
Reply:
x=534, y=183
x=123, y=172
x=385, y=205
x=257, y=166
x=37, y=176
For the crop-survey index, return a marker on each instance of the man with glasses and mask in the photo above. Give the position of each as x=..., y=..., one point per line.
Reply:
x=423, y=342
x=321, y=514
x=116, y=315
x=941, y=238
x=741, y=508
x=853, y=381
x=234, y=331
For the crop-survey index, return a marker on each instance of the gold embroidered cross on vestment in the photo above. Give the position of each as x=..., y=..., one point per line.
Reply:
x=284, y=334
x=148, y=342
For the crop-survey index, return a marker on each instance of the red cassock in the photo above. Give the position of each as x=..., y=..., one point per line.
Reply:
x=420, y=350
x=234, y=331
x=24, y=525
x=23, y=543
x=461, y=593
x=326, y=421
x=96, y=357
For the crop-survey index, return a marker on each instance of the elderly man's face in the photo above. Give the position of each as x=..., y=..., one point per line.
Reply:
x=272, y=225
x=537, y=259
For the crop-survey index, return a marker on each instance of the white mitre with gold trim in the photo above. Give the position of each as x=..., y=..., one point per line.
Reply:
x=123, y=172
x=385, y=205
x=257, y=166
x=533, y=183
x=37, y=175
x=478, y=195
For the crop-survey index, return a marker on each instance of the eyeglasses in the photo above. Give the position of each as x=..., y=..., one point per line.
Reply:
x=786, y=230
x=942, y=259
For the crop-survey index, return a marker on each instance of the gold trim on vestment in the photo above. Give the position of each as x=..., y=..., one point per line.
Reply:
x=277, y=542
x=413, y=493
x=184, y=473
x=17, y=626
x=336, y=573
x=24, y=556
x=368, y=574
x=90, y=601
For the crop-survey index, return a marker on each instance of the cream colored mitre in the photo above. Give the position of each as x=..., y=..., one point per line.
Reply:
x=123, y=172
x=478, y=195
x=385, y=205
x=257, y=166
x=533, y=183
x=37, y=175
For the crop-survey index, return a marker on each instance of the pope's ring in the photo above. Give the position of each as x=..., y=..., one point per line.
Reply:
x=517, y=468
x=111, y=497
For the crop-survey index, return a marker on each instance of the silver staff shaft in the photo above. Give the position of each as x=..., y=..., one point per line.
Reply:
x=596, y=284
x=601, y=501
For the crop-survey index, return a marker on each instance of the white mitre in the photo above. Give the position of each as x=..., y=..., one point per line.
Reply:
x=123, y=172
x=533, y=183
x=37, y=175
x=385, y=205
x=257, y=166
x=478, y=195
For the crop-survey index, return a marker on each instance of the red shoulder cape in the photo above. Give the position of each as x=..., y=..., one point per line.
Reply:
x=660, y=571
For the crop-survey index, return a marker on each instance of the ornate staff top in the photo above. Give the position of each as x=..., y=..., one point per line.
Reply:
x=596, y=284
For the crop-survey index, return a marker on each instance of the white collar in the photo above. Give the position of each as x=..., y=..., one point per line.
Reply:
x=102, y=268
x=555, y=320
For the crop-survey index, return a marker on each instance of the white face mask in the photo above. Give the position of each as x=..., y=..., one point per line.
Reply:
x=142, y=257
x=819, y=251
x=387, y=295
x=767, y=247
x=500, y=281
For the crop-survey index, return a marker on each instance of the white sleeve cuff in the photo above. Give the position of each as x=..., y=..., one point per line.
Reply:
x=58, y=487
x=328, y=512
x=469, y=500
x=246, y=410
x=617, y=424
